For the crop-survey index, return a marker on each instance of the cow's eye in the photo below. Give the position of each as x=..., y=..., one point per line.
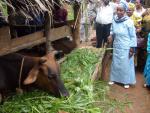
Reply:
x=51, y=76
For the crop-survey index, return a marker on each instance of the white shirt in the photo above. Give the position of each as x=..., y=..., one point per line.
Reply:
x=114, y=6
x=104, y=14
x=140, y=12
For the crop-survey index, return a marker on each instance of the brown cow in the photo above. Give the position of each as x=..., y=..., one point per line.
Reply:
x=42, y=72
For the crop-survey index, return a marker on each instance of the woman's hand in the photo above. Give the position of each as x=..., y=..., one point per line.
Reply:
x=131, y=52
x=109, y=39
x=138, y=29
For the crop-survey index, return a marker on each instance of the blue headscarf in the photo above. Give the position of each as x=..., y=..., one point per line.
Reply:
x=119, y=20
x=123, y=4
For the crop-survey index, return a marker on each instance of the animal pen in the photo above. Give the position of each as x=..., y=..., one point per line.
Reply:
x=79, y=71
x=49, y=30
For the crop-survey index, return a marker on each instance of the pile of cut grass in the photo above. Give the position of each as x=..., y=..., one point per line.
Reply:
x=85, y=96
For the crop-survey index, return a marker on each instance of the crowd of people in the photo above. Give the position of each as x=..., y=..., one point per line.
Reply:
x=119, y=22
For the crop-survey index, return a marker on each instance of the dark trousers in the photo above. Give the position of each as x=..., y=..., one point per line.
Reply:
x=102, y=32
x=141, y=59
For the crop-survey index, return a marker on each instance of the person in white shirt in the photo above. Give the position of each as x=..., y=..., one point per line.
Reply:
x=139, y=10
x=104, y=17
x=114, y=4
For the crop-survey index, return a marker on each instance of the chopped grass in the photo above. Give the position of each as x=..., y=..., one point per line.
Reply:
x=85, y=96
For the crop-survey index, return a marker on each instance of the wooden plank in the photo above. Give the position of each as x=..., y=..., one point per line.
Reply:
x=22, y=42
x=30, y=40
x=60, y=32
x=98, y=68
x=105, y=61
x=96, y=73
x=26, y=39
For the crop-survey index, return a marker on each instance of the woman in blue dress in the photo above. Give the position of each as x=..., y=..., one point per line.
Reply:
x=124, y=42
x=147, y=66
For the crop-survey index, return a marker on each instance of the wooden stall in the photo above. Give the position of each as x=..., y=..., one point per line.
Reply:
x=9, y=42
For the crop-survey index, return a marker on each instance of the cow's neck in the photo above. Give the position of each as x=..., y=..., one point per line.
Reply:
x=12, y=63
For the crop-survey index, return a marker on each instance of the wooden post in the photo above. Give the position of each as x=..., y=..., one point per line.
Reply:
x=12, y=21
x=105, y=61
x=47, y=32
x=77, y=19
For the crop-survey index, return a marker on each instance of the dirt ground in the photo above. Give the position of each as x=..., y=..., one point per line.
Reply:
x=137, y=97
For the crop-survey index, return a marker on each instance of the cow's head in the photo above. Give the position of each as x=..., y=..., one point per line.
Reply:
x=46, y=75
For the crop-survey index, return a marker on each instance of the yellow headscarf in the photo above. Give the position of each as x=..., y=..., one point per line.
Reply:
x=131, y=6
x=136, y=19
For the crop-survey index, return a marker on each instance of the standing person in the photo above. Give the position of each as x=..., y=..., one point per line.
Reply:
x=85, y=22
x=136, y=18
x=87, y=18
x=104, y=18
x=137, y=23
x=139, y=10
x=124, y=36
x=147, y=66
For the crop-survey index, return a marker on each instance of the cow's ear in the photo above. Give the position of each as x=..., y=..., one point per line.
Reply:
x=32, y=76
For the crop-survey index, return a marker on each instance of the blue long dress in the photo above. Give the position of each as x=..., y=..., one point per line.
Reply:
x=122, y=68
x=147, y=66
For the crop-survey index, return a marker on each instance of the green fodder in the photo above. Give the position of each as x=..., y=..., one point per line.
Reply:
x=85, y=96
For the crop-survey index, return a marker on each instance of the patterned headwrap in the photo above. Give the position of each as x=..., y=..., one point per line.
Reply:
x=123, y=4
x=131, y=6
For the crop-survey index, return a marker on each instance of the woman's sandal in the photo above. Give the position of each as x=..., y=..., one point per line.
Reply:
x=110, y=83
x=126, y=86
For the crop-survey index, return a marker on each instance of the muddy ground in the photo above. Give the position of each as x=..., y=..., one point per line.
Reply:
x=137, y=97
